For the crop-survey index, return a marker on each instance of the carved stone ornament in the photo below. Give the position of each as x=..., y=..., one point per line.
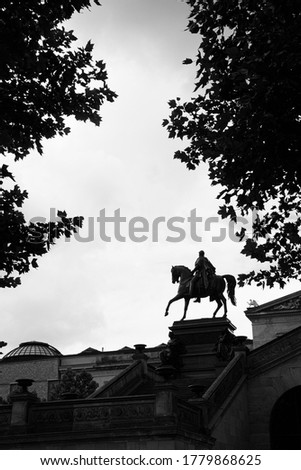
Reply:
x=292, y=304
x=101, y=413
x=171, y=355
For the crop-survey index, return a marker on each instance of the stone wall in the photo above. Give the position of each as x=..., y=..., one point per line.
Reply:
x=41, y=371
x=138, y=422
x=264, y=389
x=232, y=426
x=269, y=326
x=46, y=372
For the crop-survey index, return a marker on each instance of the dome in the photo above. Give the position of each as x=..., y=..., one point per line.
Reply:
x=32, y=350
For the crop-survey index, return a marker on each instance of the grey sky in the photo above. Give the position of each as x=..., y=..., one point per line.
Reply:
x=114, y=294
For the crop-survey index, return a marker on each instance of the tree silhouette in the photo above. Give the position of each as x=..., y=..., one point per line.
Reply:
x=81, y=384
x=44, y=78
x=245, y=122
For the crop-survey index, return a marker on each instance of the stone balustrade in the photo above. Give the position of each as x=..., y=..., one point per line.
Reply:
x=221, y=388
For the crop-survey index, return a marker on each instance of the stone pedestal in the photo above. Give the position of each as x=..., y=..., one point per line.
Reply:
x=201, y=362
x=164, y=405
x=19, y=415
x=201, y=334
x=21, y=400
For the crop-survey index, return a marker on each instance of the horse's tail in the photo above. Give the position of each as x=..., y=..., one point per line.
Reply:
x=231, y=283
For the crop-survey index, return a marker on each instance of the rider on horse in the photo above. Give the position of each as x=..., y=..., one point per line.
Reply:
x=203, y=273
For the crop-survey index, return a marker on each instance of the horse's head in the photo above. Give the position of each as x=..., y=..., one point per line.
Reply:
x=180, y=273
x=175, y=274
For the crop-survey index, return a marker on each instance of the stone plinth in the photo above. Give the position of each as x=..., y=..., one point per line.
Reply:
x=165, y=397
x=200, y=338
x=203, y=333
x=19, y=415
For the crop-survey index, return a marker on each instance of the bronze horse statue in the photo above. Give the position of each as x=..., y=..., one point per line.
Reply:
x=215, y=290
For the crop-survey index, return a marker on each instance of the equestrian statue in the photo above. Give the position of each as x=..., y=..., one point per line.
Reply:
x=202, y=282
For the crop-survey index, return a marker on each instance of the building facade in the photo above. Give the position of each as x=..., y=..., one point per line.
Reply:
x=207, y=388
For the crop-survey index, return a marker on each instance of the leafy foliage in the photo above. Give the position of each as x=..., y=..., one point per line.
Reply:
x=2, y=344
x=80, y=383
x=22, y=243
x=44, y=78
x=245, y=122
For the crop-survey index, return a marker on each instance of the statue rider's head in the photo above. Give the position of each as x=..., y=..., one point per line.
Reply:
x=201, y=253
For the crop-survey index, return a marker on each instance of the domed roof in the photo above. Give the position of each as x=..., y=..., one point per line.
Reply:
x=32, y=350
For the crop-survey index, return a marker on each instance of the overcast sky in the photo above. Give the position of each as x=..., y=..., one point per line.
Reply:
x=112, y=294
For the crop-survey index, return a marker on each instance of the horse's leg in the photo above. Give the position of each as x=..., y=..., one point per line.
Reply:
x=225, y=305
x=177, y=297
x=219, y=304
x=187, y=299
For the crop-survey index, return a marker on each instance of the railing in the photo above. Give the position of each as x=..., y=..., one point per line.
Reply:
x=189, y=416
x=103, y=414
x=85, y=414
x=124, y=379
x=103, y=422
x=146, y=413
x=221, y=388
x=267, y=355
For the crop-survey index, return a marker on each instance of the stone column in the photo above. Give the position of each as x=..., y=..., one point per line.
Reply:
x=21, y=400
x=164, y=405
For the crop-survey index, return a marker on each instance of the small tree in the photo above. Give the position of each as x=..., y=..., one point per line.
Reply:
x=80, y=383
x=245, y=122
